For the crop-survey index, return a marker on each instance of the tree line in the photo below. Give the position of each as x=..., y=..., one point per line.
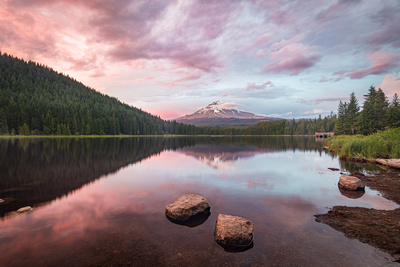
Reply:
x=294, y=127
x=377, y=114
x=36, y=100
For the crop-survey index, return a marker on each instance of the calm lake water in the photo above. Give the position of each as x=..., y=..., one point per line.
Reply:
x=101, y=202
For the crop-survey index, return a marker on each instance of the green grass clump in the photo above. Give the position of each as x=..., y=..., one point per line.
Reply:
x=383, y=144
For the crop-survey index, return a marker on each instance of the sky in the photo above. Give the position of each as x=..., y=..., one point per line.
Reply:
x=279, y=58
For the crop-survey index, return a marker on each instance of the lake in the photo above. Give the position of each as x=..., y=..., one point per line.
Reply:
x=101, y=201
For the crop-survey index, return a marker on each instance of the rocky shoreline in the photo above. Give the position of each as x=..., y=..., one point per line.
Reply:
x=379, y=228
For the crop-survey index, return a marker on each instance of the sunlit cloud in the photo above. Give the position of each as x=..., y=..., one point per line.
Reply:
x=177, y=53
x=391, y=84
x=382, y=62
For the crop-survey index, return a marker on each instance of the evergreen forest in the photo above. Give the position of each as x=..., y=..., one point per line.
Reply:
x=377, y=114
x=36, y=100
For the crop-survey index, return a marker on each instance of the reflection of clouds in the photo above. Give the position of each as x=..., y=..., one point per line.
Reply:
x=292, y=211
x=318, y=159
x=260, y=184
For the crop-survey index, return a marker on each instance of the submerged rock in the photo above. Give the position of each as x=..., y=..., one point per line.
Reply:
x=351, y=183
x=233, y=232
x=24, y=209
x=186, y=206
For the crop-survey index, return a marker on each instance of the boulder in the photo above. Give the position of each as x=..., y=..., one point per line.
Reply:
x=24, y=209
x=351, y=183
x=395, y=163
x=187, y=206
x=232, y=231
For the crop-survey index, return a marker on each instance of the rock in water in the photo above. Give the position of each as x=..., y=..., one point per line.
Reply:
x=395, y=163
x=186, y=206
x=232, y=231
x=24, y=209
x=351, y=183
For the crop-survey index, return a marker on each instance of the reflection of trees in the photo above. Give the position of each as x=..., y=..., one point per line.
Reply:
x=216, y=151
x=366, y=168
x=33, y=171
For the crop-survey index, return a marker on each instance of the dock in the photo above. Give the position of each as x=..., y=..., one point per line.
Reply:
x=324, y=134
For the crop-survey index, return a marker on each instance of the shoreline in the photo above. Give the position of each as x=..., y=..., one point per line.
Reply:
x=379, y=228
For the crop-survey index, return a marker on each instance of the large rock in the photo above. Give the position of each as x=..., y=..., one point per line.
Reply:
x=351, y=183
x=186, y=207
x=24, y=209
x=232, y=231
x=395, y=163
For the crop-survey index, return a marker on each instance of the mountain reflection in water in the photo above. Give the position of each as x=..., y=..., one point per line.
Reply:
x=101, y=201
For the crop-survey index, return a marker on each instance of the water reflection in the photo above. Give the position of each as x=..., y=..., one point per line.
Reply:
x=120, y=218
x=34, y=171
x=351, y=193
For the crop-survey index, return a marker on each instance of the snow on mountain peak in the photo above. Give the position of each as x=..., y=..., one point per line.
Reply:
x=218, y=111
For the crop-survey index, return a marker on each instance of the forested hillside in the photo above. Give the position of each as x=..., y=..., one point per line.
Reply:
x=34, y=99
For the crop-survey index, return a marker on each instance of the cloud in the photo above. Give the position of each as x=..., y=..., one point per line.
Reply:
x=117, y=31
x=389, y=30
x=323, y=99
x=391, y=84
x=253, y=86
x=280, y=115
x=314, y=111
x=382, y=62
x=335, y=10
x=289, y=56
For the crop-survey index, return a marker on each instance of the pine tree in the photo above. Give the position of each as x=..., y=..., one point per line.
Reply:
x=393, y=114
x=352, y=113
x=24, y=130
x=367, y=119
x=381, y=104
x=340, y=124
x=3, y=123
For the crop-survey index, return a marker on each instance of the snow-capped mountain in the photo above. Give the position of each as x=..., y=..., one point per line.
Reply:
x=219, y=114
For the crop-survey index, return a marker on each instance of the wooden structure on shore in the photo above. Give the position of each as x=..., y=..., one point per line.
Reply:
x=324, y=134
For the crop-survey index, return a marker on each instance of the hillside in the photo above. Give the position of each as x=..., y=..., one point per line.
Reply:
x=34, y=99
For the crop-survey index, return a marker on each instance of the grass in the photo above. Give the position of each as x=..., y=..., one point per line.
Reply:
x=383, y=144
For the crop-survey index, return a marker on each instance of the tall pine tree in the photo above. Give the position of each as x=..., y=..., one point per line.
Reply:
x=352, y=114
x=367, y=119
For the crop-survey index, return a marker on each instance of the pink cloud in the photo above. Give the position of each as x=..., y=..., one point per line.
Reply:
x=382, y=62
x=210, y=18
x=335, y=9
x=185, y=80
x=386, y=36
x=253, y=86
x=391, y=84
x=389, y=30
x=118, y=31
x=291, y=57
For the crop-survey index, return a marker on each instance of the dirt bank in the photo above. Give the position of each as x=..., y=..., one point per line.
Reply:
x=379, y=228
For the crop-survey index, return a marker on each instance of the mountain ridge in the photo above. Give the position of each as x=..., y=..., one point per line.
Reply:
x=217, y=114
